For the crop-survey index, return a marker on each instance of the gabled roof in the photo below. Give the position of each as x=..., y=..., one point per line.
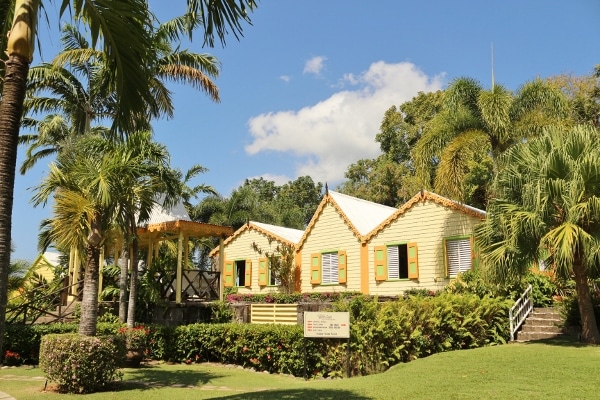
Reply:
x=362, y=216
x=160, y=214
x=288, y=236
x=171, y=221
x=50, y=258
x=424, y=196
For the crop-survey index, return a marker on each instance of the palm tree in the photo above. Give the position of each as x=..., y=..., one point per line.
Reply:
x=140, y=196
x=122, y=27
x=547, y=200
x=475, y=126
x=125, y=39
x=93, y=189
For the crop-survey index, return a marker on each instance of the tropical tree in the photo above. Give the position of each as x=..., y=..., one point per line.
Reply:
x=124, y=33
x=475, y=126
x=93, y=191
x=123, y=28
x=139, y=192
x=546, y=200
x=583, y=93
x=381, y=180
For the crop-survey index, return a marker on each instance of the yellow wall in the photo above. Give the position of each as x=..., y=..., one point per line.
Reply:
x=240, y=248
x=426, y=223
x=331, y=233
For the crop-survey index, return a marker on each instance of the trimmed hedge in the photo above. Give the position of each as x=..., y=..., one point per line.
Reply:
x=382, y=334
x=81, y=364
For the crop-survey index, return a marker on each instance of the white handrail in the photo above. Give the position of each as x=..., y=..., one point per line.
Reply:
x=519, y=311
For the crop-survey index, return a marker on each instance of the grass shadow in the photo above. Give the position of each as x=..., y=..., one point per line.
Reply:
x=150, y=377
x=297, y=394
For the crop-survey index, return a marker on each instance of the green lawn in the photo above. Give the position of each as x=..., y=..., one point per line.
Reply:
x=540, y=370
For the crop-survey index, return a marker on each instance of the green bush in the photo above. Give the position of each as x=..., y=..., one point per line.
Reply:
x=25, y=339
x=569, y=308
x=81, y=364
x=543, y=287
x=382, y=334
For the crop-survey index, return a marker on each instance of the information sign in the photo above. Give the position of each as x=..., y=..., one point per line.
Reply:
x=326, y=324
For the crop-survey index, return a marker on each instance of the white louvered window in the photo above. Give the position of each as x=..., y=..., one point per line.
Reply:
x=397, y=262
x=458, y=256
x=329, y=267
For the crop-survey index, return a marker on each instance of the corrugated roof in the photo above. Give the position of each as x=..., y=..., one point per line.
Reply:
x=289, y=234
x=160, y=214
x=364, y=215
x=52, y=258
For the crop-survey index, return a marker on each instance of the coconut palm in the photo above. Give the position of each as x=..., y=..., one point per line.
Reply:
x=124, y=33
x=93, y=190
x=139, y=196
x=123, y=29
x=477, y=125
x=547, y=200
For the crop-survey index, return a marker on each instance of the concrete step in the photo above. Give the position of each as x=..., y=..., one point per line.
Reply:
x=541, y=328
x=527, y=336
x=546, y=313
x=542, y=323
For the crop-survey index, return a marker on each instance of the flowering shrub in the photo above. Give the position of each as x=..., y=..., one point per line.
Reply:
x=284, y=298
x=12, y=358
x=136, y=338
x=81, y=364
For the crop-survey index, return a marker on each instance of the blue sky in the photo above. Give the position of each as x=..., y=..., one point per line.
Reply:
x=304, y=91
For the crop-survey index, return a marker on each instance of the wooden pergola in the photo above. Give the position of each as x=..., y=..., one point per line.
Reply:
x=164, y=224
x=151, y=235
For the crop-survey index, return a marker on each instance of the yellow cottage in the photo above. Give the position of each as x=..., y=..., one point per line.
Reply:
x=422, y=245
x=244, y=267
x=332, y=250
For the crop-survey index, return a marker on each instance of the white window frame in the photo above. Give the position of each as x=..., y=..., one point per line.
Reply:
x=329, y=268
x=271, y=281
x=393, y=260
x=459, y=255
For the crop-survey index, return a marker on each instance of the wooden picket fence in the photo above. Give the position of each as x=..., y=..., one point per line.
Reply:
x=286, y=314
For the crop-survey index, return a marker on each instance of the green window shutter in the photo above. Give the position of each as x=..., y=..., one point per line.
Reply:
x=228, y=274
x=413, y=261
x=342, y=267
x=263, y=271
x=381, y=272
x=248, y=277
x=315, y=269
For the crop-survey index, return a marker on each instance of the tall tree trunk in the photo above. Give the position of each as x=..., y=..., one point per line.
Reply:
x=89, y=302
x=589, y=328
x=91, y=279
x=20, y=51
x=124, y=264
x=133, y=282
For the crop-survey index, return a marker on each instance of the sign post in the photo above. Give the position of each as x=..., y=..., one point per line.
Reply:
x=327, y=325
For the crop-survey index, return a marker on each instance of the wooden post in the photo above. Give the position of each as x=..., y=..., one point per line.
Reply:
x=100, y=274
x=179, y=268
x=221, y=268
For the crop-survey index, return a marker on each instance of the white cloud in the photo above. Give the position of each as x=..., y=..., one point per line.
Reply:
x=315, y=65
x=285, y=78
x=328, y=136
